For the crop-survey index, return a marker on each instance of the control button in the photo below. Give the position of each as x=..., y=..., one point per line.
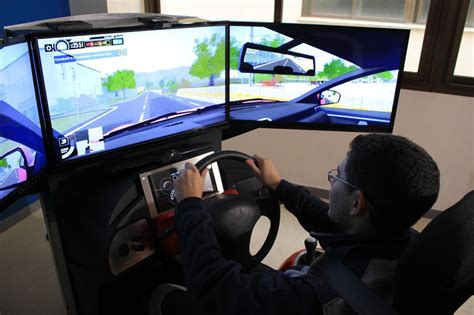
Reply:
x=172, y=197
x=138, y=247
x=124, y=250
x=166, y=185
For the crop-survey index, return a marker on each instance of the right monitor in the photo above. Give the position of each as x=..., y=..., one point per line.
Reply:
x=315, y=77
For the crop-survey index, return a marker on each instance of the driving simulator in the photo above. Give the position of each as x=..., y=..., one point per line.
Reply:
x=99, y=119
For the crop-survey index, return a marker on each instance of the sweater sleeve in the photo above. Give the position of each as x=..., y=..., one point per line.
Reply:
x=310, y=210
x=220, y=287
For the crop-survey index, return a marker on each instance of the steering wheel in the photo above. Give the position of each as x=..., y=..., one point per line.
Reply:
x=235, y=215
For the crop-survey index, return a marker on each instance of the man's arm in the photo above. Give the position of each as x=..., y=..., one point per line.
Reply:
x=219, y=286
x=310, y=210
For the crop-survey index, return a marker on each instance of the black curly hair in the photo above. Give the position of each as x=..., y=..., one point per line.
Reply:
x=399, y=178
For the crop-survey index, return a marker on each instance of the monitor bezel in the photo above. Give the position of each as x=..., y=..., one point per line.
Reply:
x=32, y=184
x=249, y=124
x=56, y=163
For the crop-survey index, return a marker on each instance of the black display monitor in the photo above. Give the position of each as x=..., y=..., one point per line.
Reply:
x=315, y=77
x=116, y=89
x=22, y=152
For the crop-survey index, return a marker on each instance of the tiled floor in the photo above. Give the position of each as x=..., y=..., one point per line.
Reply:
x=29, y=284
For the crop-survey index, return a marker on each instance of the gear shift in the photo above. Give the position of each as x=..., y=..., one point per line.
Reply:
x=310, y=244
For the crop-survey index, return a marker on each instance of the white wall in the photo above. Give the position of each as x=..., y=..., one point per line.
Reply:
x=78, y=7
x=442, y=124
x=218, y=10
x=125, y=6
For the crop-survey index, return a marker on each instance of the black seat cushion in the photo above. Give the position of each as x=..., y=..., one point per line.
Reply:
x=436, y=274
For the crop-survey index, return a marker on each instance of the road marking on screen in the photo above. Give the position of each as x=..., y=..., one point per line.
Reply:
x=142, y=116
x=146, y=100
x=90, y=122
x=195, y=104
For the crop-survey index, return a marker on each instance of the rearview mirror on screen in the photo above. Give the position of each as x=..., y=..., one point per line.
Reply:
x=263, y=59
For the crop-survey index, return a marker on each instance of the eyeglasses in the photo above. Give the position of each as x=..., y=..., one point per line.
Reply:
x=332, y=179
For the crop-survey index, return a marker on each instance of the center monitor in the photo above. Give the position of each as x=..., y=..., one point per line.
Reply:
x=112, y=90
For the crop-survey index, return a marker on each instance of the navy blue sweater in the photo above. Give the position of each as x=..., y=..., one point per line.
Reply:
x=219, y=286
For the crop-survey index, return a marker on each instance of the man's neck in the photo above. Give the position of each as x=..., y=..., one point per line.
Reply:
x=360, y=226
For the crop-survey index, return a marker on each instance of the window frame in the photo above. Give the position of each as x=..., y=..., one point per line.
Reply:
x=410, y=13
x=436, y=70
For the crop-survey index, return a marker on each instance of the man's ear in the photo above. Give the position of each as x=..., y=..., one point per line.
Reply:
x=359, y=205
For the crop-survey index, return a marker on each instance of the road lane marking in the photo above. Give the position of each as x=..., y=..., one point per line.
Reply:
x=268, y=63
x=142, y=116
x=90, y=122
x=146, y=100
x=195, y=104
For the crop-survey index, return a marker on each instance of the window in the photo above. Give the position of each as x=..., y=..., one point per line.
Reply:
x=405, y=11
x=464, y=62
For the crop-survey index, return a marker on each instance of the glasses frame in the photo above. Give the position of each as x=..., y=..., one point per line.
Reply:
x=332, y=178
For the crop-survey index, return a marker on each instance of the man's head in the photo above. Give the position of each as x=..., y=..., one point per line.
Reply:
x=387, y=179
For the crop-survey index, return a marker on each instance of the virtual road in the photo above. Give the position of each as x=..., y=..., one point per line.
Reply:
x=147, y=105
x=282, y=62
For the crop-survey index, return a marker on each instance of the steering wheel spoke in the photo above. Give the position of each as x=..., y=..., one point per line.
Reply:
x=235, y=215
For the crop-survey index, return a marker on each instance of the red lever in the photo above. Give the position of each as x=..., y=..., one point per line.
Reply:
x=167, y=237
x=230, y=191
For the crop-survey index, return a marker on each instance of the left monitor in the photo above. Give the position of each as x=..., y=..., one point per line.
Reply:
x=107, y=91
x=22, y=152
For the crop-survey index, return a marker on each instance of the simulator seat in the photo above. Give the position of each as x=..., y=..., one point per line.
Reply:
x=434, y=276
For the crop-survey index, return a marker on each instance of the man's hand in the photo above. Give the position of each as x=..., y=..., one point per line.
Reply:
x=189, y=183
x=266, y=171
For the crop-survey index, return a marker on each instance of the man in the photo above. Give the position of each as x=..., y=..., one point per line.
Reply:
x=384, y=184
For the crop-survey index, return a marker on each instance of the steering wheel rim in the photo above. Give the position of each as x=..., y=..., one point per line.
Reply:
x=268, y=205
